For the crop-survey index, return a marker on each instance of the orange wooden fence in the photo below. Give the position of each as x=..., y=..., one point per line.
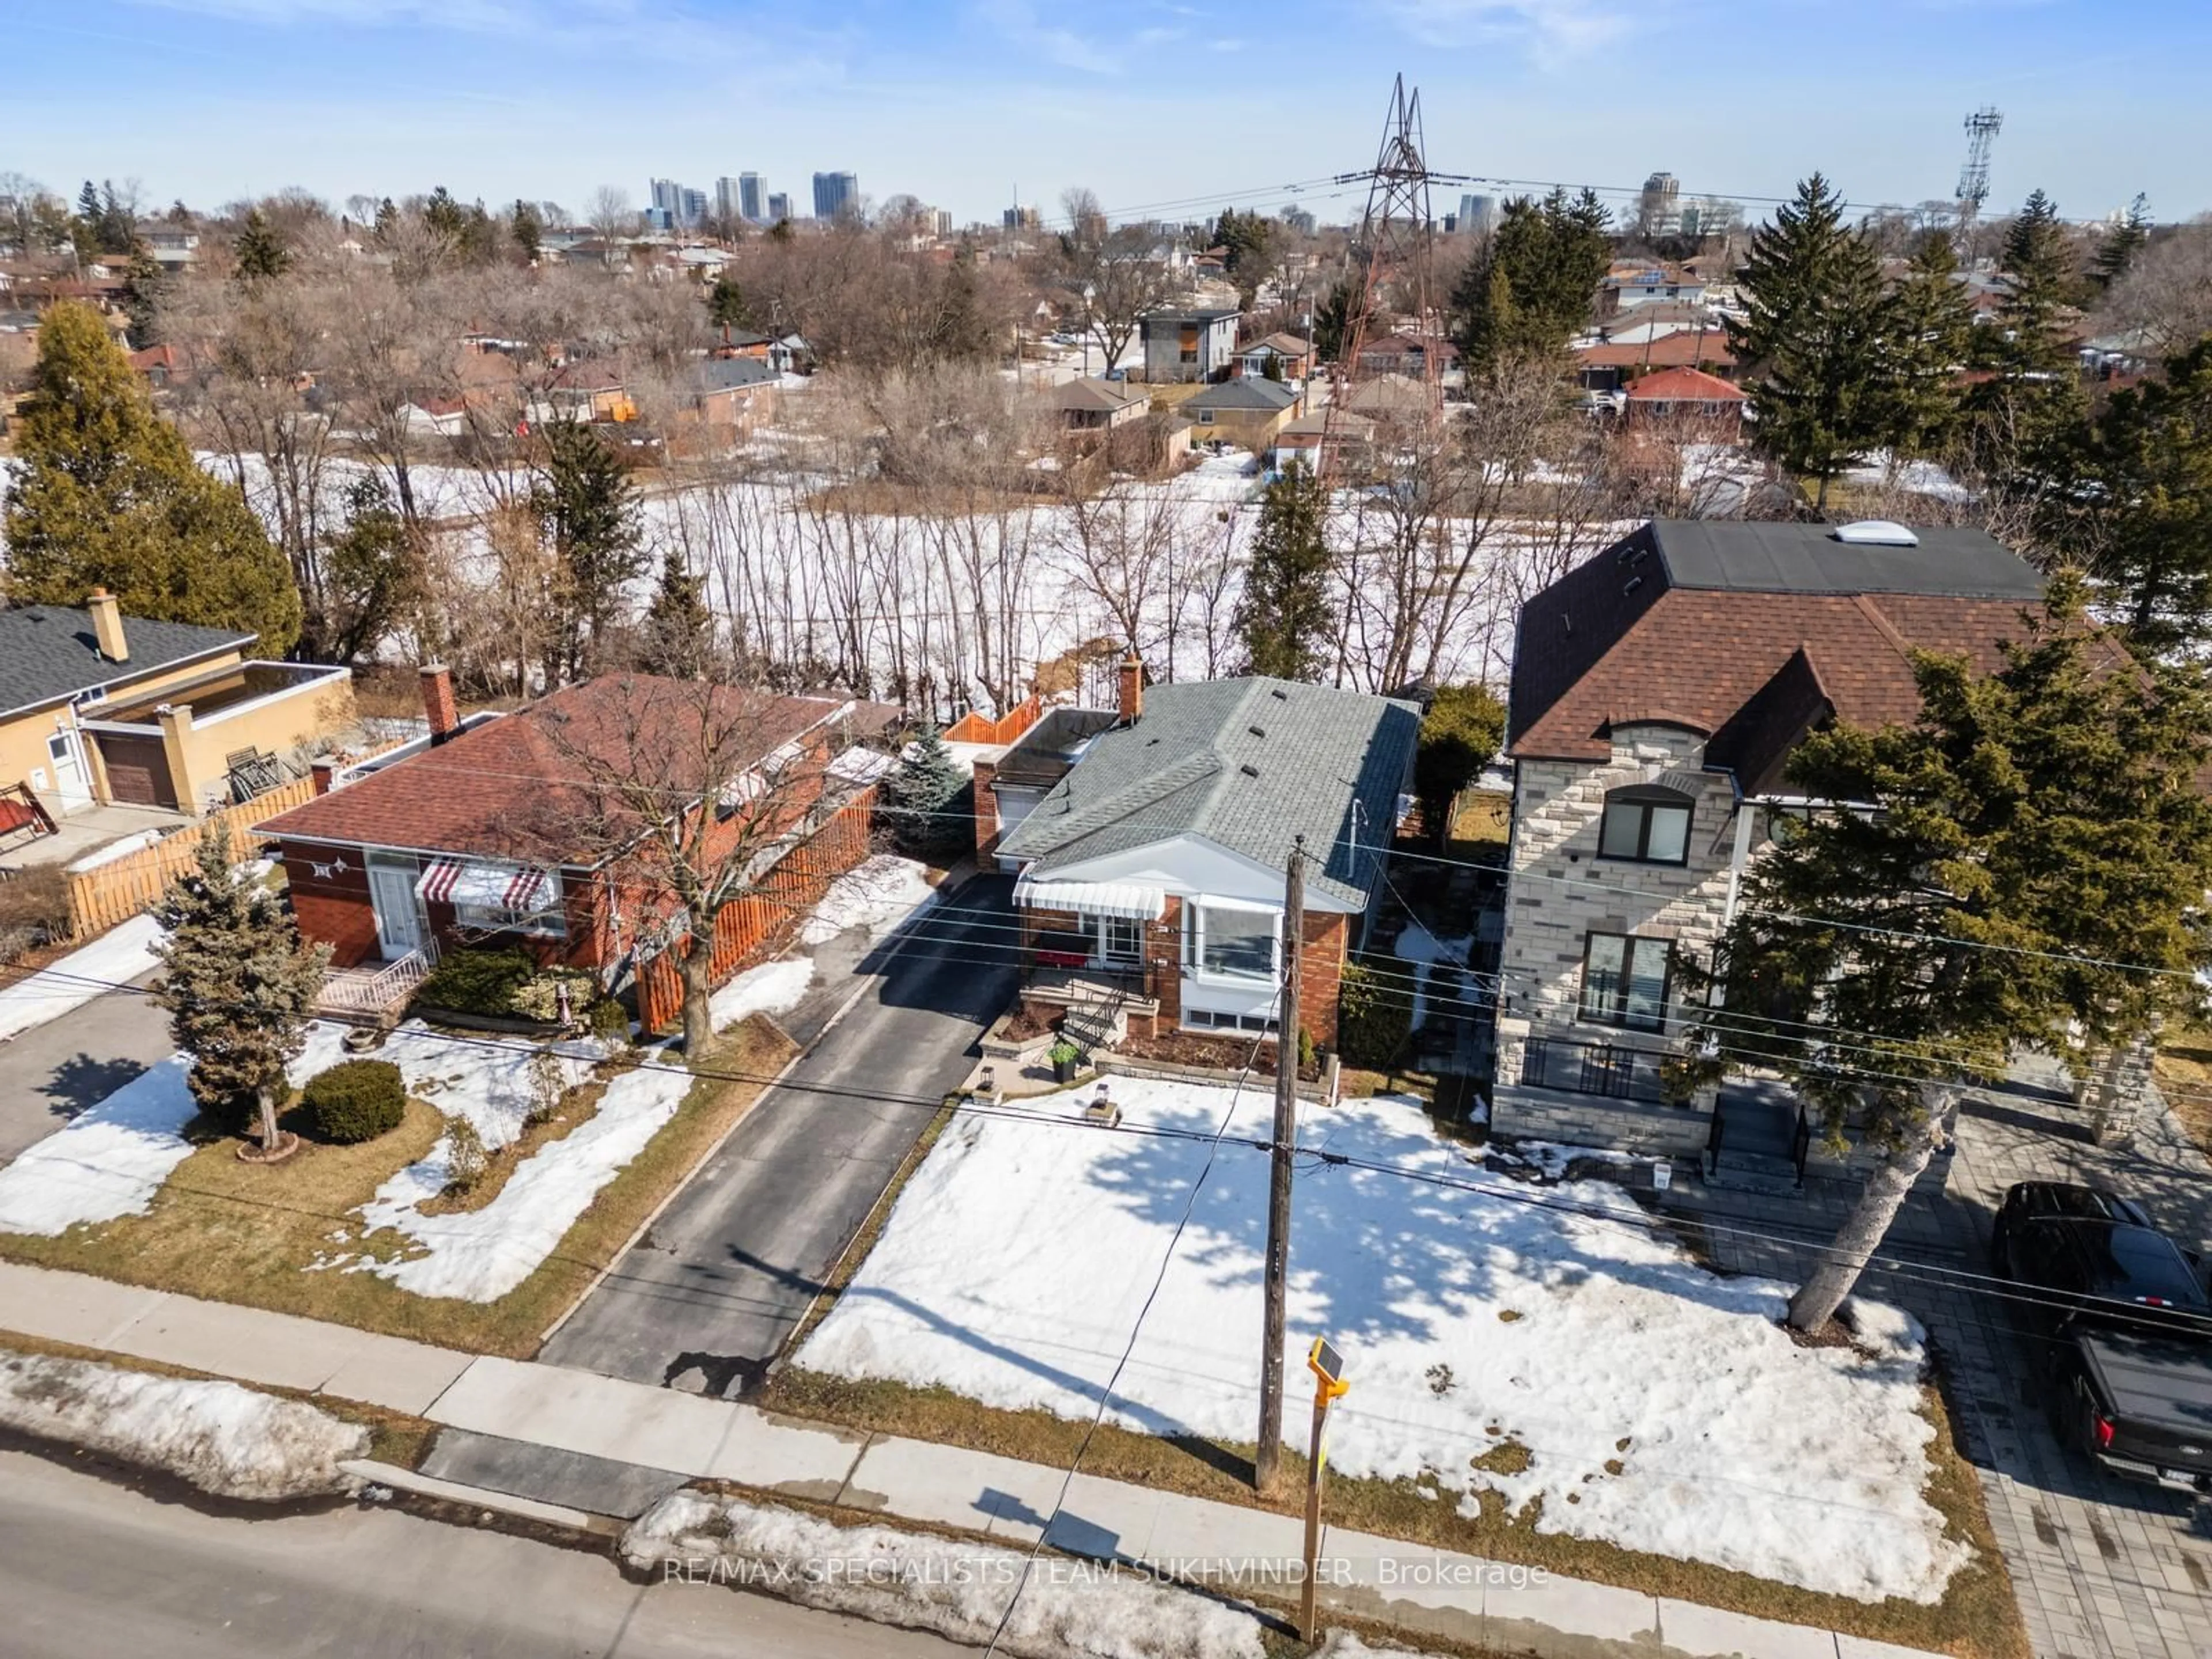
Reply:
x=110, y=893
x=972, y=727
x=758, y=926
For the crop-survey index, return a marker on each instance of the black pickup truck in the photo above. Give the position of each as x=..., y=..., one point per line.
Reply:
x=2126, y=1328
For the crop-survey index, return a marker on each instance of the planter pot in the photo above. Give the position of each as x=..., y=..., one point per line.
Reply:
x=1063, y=1070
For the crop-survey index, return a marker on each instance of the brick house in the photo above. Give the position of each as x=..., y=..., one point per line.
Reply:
x=1658, y=690
x=1150, y=842
x=470, y=833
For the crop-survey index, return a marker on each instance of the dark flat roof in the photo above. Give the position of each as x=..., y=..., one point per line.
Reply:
x=1948, y=563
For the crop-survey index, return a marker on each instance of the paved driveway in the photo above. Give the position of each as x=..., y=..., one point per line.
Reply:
x=52, y=1071
x=722, y=1280
x=2102, y=1568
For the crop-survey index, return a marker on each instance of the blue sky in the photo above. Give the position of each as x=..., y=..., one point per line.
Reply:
x=1149, y=102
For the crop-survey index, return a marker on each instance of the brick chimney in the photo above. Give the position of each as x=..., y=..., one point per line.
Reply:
x=438, y=702
x=107, y=625
x=1130, y=704
x=986, y=807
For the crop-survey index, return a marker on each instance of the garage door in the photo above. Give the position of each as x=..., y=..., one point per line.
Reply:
x=137, y=771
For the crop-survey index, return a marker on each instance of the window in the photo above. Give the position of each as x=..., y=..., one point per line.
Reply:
x=1624, y=982
x=1206, y=417
x=1121, y=938
x=1648, y=826
x=1231, y=944
x=547, y=919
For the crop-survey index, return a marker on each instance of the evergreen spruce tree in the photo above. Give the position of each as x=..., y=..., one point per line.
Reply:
x=1283, y=622
x=1929, y=330
x=726, y=304
x=88, y=206
x=921, y=799
x=1813, y=337
x=2041, y=285
x=588, y=509
x=239, y=986
x=445, y=217
x=2042, y=841
x=109, y=496
x=2117, y=251
x=370, y=577
x=680, y=627
x=259, y=253
x=1530, y=287
x=2137, y=510
x=2031, y=409
x=1460, y=735
x=1332, y=318
x=527, y=226
x=142, y=293
x=119, y=227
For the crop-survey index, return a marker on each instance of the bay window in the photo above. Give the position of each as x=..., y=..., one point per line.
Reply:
x=1231, y=943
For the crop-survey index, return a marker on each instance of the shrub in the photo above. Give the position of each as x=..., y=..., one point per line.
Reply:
x=549, y=1082
x=1374, y=1018
x=465, y=1158
x=477, y=981
x=353, y=1100
x=539, y=996
x=609, y=1021
x=1063, y=1054
x=33, y=910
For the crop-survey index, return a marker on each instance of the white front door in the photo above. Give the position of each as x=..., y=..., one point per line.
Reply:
x=72, y=787
x=399, y=923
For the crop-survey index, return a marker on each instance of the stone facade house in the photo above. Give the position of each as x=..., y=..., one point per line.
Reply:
x=1150, y=842
x=1658, y=690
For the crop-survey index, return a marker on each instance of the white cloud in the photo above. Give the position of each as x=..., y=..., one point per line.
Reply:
x=1549, y=29
x=1015, y=22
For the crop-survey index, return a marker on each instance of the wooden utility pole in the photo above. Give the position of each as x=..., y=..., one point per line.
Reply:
x=1268, y=1460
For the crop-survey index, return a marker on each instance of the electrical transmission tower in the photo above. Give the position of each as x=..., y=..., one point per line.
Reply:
x=1391, y=258
x=1974, y=177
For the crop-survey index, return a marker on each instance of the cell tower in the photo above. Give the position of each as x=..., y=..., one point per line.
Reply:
x=1974, y=177
x=1390, y=255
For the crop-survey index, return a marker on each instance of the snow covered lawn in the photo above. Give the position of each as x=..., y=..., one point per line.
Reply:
x=485, y=1079
x=225, y=1439
x=773, y=988
x=108, y=1161
x=116, y=958
x=1661, y=1407
x=479, y=1255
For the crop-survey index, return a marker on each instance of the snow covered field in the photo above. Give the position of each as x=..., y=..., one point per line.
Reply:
x=485, y=1079
x=108, y=1161
x=116, y=958
x=1014, y=1264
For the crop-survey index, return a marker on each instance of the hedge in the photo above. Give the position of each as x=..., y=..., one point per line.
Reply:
x=477, y=981
x=1374, y=1018
x=354, y=1100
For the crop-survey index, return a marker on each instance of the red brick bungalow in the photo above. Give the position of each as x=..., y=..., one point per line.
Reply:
x=511, y=827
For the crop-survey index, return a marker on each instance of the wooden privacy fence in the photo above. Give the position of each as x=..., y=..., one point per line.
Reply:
x=758, y=925
x=972, y=727
x=110, y=893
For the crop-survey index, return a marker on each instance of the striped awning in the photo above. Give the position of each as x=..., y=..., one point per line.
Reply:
x=472, y=881
x=1125, y=899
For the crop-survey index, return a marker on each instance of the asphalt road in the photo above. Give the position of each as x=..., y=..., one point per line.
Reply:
x=52, y=1071
x=92, y=1571
x=720, y=1280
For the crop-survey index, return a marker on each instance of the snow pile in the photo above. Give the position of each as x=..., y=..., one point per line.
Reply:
x=1661, y=1407
x=1552, y=1159
x=108, y=1161
x=957, y=1590
x=479, y=1255
x=224, y=1439
x=116, y=958
x=485, y=1079
x=773, y=988
x=878, y=894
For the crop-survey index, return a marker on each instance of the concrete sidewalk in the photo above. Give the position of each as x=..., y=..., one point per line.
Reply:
x=592, y=1417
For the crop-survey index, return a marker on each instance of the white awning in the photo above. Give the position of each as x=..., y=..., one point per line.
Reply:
x=495, y=886
x=1092, y=899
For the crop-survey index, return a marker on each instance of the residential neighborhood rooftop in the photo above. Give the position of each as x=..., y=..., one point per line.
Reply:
x=1248, y=764
x=48, y=653
x=1247, y=394
x=1686, y=623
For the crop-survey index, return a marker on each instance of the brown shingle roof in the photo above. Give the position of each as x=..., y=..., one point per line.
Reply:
x=497, y=789
x=1619, y=638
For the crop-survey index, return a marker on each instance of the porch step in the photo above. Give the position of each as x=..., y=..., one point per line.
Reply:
x=1743, y=1170
x=1091, y=1026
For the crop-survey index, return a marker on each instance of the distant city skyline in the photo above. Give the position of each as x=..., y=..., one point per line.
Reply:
x=956, y=101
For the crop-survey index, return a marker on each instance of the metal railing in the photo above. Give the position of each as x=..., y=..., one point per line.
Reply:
x=354, y=993
x=1801, y=1142
x=1593, y=1069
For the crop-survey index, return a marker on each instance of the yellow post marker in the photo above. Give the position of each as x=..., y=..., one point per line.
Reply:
x=1327, y=1366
